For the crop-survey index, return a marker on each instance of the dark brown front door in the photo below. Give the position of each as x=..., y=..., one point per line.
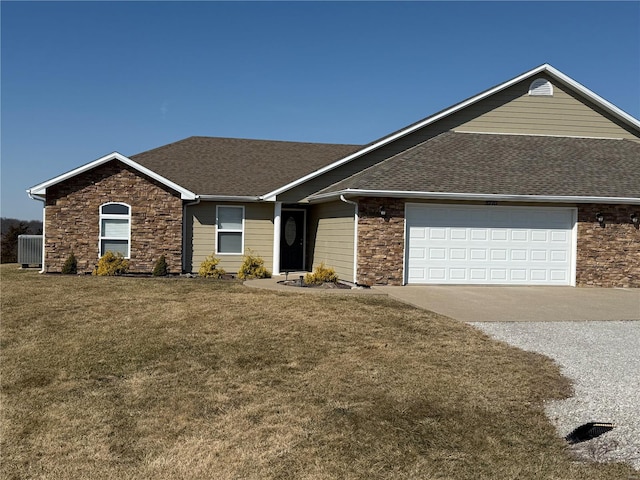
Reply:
x=292, y=240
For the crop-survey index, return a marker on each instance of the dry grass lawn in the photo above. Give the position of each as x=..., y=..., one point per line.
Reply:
x=122, y=378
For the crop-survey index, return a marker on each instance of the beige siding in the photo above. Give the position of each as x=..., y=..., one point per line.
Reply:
x=201, y=230
x=331, y=237
x=564, y=113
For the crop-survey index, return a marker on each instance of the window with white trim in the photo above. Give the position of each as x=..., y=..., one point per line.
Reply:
x=230, y=230
x=115, y=229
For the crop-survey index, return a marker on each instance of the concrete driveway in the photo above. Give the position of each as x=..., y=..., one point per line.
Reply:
x=522, y=304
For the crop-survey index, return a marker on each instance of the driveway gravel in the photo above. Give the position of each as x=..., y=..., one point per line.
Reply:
x=603, y=360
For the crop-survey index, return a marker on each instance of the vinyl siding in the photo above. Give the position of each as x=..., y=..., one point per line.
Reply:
x=564, y=113
x=331, y=237
x=201, y=232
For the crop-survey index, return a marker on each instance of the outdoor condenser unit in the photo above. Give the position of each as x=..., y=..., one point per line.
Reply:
x=29, y=250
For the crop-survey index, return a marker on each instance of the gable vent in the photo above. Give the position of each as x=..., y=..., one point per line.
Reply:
x=541, y=87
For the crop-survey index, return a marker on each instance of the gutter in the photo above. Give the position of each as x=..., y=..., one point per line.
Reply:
x=472, y=197
x=355, y=238
x=44, y=223
x=229, y=198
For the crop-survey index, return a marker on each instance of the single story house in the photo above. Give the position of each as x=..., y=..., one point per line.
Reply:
x=532, y=182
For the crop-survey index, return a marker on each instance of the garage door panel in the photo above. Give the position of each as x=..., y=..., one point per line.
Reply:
x=459, y=234
x=489, y=245
x=458, y=254
x=559, y=275
x=539, y=275
x=558, y=256
x=519, y=236
x=478, y=254
x=437, y=253
x=538, y=236
x=518, y=255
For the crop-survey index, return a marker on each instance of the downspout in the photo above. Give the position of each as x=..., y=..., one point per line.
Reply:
x=355, y=238
x=44, y=217
x=184, y=231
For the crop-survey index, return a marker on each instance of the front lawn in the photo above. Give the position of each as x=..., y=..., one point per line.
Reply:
x=147, y=378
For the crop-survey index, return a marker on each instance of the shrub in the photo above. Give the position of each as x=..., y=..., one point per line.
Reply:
x=70, y=267
x=209, y=268
x=161, y=269
x=111, y=264
x=253, y=267
x=321, y=274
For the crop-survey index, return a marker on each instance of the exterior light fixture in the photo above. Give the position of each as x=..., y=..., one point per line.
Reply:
x=600, y=219
x=635, y=220
x=383, y=212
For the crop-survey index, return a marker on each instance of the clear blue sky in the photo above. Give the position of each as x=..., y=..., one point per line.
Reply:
x=84, y=79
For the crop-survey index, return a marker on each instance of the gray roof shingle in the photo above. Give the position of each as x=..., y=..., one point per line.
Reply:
x=509, y=165
x=238, y=167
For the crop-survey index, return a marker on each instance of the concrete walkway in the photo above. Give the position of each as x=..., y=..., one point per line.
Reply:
x=522, y=304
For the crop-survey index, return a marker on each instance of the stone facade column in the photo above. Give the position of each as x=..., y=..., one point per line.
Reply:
x=608, y=256
x=380, y=241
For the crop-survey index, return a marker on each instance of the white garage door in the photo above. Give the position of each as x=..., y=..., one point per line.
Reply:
x=489, y=245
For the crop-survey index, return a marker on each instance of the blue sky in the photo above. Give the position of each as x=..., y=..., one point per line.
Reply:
x=83, y=79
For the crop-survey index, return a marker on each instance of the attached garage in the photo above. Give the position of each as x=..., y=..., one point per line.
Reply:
x=490, y=245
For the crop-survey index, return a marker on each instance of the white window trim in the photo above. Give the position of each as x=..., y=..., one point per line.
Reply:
x=114, y=216
x=229, y=230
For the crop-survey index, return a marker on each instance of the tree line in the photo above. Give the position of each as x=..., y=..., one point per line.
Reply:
x=10, y=229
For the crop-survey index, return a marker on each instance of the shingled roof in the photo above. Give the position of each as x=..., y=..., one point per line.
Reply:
x=238, y=167
x=506, y=165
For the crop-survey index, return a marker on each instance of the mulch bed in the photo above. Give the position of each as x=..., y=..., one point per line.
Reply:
x=326, y=285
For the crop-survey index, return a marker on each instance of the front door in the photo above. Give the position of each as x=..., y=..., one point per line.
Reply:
x=292, y=235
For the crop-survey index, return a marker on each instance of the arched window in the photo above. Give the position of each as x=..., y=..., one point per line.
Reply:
x=115, y=229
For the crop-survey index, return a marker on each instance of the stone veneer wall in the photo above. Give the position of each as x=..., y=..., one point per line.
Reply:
x=609, y=256
x=73, y=214
x=380, y=241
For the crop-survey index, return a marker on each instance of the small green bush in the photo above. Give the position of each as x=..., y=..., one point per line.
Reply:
x=321, y=274
x=70, y=267
x=111, y=264
x=161, y=269
x=209, y=268
x=253, y=267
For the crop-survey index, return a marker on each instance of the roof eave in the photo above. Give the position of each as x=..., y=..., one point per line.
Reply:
x=495, y=197
x=40, y=190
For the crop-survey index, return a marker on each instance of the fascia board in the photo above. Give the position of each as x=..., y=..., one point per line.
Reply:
x=472, y=196
x=40, y=189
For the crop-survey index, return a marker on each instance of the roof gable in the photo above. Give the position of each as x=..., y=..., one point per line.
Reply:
x=438, y=117
x=41, y=189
